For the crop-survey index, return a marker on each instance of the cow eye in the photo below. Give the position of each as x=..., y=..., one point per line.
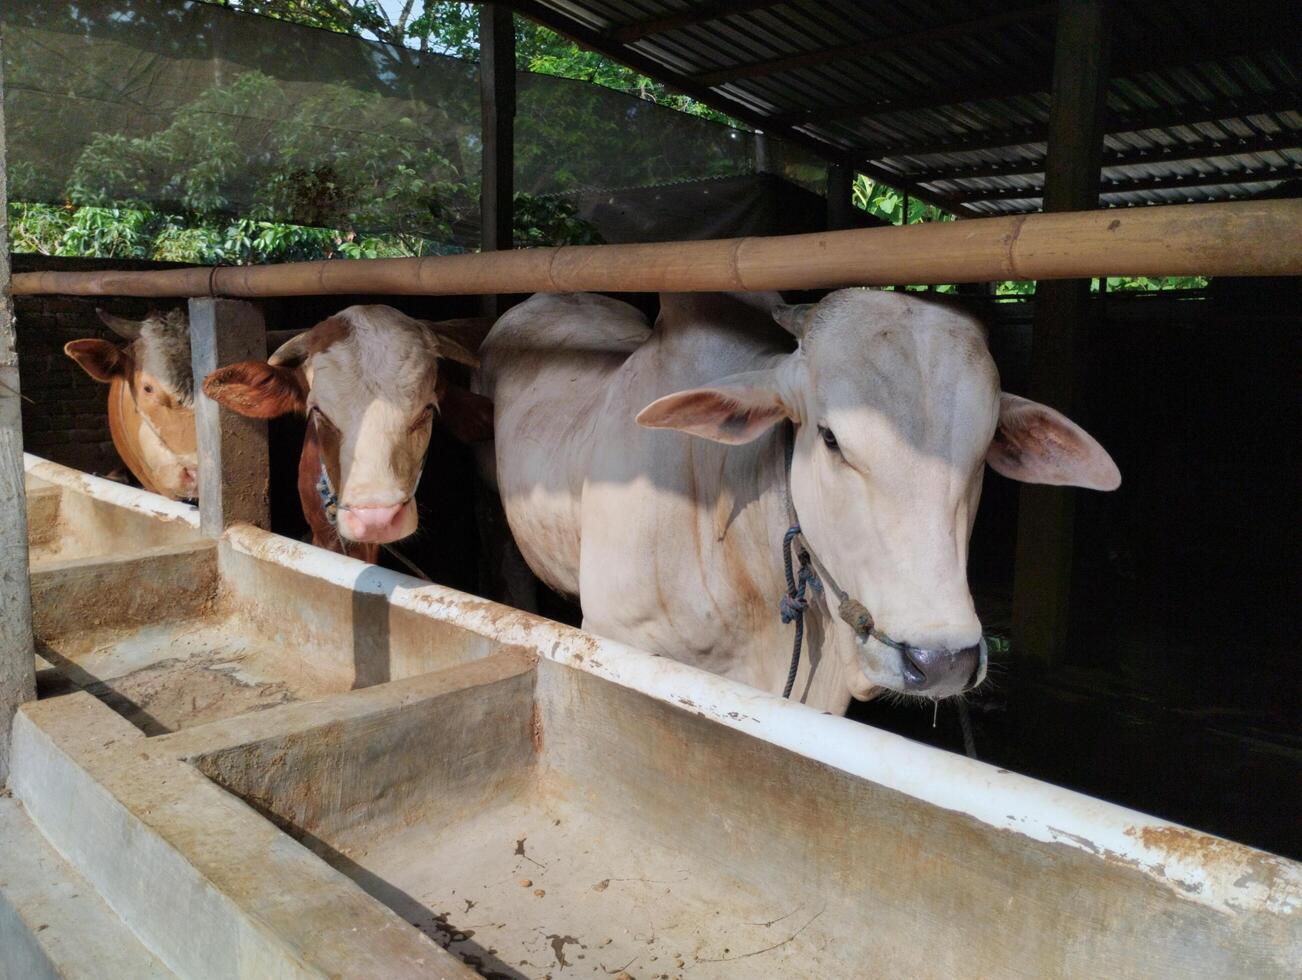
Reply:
x=423, y=418
x=829, y=440
x=322, y=417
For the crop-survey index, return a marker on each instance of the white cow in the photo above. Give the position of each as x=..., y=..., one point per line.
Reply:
x=675, y=544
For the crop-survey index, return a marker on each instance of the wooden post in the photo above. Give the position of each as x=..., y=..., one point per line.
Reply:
x=840, y=196
x=1046, y=515
x=497, y=117
x=763, y=154
x=233, y=462
x=17, y=666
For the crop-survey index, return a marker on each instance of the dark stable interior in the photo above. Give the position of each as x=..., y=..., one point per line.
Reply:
x=1179, y=695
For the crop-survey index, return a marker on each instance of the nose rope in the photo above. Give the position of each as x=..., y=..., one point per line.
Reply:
x=794, y=604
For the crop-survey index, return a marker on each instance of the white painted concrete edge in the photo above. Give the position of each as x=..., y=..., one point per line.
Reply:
x=1212, y=871
x=117, y=494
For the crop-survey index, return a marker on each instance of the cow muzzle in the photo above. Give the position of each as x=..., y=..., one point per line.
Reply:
x=378, y=524
x=941, y=672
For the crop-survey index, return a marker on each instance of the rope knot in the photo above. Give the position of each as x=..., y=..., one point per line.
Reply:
x=792, y=607
x=856, y=616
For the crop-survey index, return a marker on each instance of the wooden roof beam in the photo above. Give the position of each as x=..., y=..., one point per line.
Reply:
x=1133, y=184
x=859, y=49
x=1173, y=153
x=702, y=13
x=1035, y=80
x=1184, y=115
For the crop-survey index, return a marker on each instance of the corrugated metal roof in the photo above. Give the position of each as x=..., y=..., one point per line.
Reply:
x=950, y=99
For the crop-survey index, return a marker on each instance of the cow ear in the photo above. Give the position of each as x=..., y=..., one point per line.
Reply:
x=120, y=325
x=735, y=410
x=450, y=334
x=1035, y=444
x=291, y=353
x=452, y=351
x=101, y=359
x=793, y=319
x=256, y=389
x=468, y=416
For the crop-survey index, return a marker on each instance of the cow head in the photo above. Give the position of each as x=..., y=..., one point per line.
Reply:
x=368, y=379
x=897, y=407
x=151, y=397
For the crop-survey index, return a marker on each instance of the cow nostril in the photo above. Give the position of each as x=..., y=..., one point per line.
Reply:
x=914, y=675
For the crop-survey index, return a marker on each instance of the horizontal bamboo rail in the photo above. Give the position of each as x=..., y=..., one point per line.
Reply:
x=1250, y=238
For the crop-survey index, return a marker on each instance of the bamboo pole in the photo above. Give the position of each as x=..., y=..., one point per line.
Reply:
x=1249, y=238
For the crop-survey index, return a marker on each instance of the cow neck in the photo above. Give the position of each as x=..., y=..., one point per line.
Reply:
x=813, y=574
x=125, y=420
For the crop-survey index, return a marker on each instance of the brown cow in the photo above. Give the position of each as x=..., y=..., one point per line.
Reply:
x=368, y=379
x=151, y=397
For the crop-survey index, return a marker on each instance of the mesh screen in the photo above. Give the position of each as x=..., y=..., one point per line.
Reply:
x=193, y=109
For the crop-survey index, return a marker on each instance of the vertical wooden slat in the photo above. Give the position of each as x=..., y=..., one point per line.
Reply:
x=497, y=117
x=1046, y=515
x=17, y=669
x=233, y=462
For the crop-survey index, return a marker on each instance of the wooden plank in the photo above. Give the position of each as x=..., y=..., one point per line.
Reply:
x=497, y=118
x=1046, y=515
x=1242, y=238
x=17, y=666
x=233, y=462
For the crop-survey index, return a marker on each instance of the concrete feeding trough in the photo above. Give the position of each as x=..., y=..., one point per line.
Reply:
x=254, y=758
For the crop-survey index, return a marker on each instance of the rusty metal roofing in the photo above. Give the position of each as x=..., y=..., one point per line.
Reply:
x=950, y=100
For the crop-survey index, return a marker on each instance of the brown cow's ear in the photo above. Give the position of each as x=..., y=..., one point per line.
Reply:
x=256, y=389
x=1035, y=444
x=737, y=410
x=468, y=416
x=101, y=359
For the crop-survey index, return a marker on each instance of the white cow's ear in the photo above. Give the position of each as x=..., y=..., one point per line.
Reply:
x=793, y=319
x=292, y=352
x=453, y=351
x=120, y=325
x=1035, y=444
x=735, y=410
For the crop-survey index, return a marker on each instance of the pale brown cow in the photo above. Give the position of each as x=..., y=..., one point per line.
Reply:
x=368, y=379
x=151, y=397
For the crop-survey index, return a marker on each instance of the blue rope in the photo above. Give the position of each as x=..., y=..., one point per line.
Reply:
x=793, y=605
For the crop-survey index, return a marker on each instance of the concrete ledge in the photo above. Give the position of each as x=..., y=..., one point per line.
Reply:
x=152, y=585
x=212, y=888
x=52, y=924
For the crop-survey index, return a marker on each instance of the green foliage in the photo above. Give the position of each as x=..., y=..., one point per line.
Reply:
x=887, y=203
x=375, y=175
x=550, y=221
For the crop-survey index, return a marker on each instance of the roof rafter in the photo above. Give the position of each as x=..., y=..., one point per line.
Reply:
x=1128, y=185
x=1035, y=80
x=628, y=33
x=1171, y=153
x=1182, y=115
x=931, y=35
